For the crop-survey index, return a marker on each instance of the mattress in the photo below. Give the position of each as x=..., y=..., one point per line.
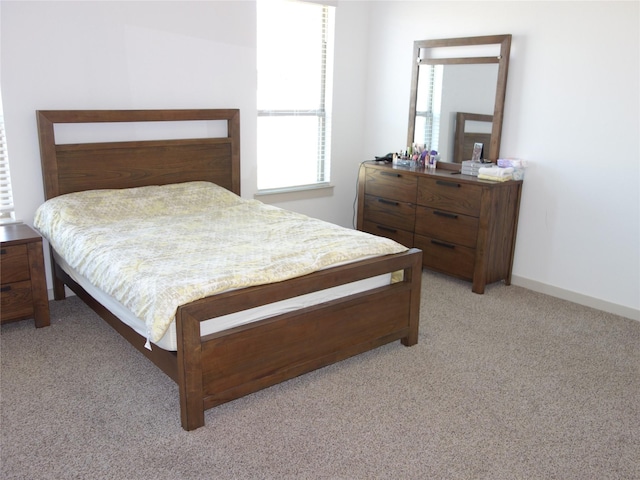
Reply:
x=207, y=327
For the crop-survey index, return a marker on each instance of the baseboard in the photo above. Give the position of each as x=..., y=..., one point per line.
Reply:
x=578, y=298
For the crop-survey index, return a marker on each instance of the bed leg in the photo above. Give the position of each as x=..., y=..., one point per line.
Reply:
x=58, y=284
x=58, y=289
x=413, y=275
x=189, y=371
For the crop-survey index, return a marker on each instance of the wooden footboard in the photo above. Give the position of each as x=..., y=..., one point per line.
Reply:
x=227, y=365
x=217, y=368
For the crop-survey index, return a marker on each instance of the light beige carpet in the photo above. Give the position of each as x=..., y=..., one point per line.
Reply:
x=507, y=385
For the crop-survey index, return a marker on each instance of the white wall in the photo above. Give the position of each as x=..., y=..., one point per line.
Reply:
x=572, y=104
x=572, y=111
x=95, y=55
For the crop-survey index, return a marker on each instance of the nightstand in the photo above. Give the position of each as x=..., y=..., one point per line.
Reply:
x=24, y=287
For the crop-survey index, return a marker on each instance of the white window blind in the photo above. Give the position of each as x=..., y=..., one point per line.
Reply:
x=6, y=195
x=429, y=105
x=295, y=72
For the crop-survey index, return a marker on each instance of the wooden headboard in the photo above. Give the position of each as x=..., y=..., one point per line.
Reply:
x=74, y=167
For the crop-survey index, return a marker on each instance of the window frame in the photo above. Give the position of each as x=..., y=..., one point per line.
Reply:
x=322, y=113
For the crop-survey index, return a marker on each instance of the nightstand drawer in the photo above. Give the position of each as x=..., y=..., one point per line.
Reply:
x=16, y=300
x=446, y=257
x=392, y=184
x=447, y=226
x=15, y=264
x=450, y=195
x=390, y=212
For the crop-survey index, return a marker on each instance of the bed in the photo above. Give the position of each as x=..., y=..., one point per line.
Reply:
x=216, y=365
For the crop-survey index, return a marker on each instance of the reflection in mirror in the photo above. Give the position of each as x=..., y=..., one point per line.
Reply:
x=449, y=77
x=445, y=90
x=471, y=128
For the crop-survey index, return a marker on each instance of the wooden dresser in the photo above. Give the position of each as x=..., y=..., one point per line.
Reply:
x=465, y=227
x=24, y=289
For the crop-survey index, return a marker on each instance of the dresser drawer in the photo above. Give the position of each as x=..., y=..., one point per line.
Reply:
x=16, y=300
x=389, y=212
x=447, y=226
x=449, y=195
x=446, y=257
x=14, y=264
x=403, y=237
x=391, y=184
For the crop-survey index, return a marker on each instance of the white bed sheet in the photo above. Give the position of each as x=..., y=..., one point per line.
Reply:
x=169, y=340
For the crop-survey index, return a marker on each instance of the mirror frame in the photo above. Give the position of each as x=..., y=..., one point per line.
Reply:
x=504, y=41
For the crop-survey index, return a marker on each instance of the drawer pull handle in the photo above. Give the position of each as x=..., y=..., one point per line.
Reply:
x=445, y=214
x=388, y=202
x=391, y=174
x=5, y=289
x=387, y=229
x=442, y=244
x=448, y=184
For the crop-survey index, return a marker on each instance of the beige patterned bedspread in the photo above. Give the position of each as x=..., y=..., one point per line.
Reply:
x=156, y=248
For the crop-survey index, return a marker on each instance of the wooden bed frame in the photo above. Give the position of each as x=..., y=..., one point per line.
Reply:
x=217, y=368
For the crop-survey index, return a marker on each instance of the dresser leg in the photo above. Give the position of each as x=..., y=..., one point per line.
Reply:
x=478, y=287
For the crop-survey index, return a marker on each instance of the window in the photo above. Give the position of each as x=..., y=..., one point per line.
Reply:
x=6, y=195
x=428, y=102
x=295, y=61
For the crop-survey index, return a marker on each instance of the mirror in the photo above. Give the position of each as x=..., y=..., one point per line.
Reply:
x=458, y=88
